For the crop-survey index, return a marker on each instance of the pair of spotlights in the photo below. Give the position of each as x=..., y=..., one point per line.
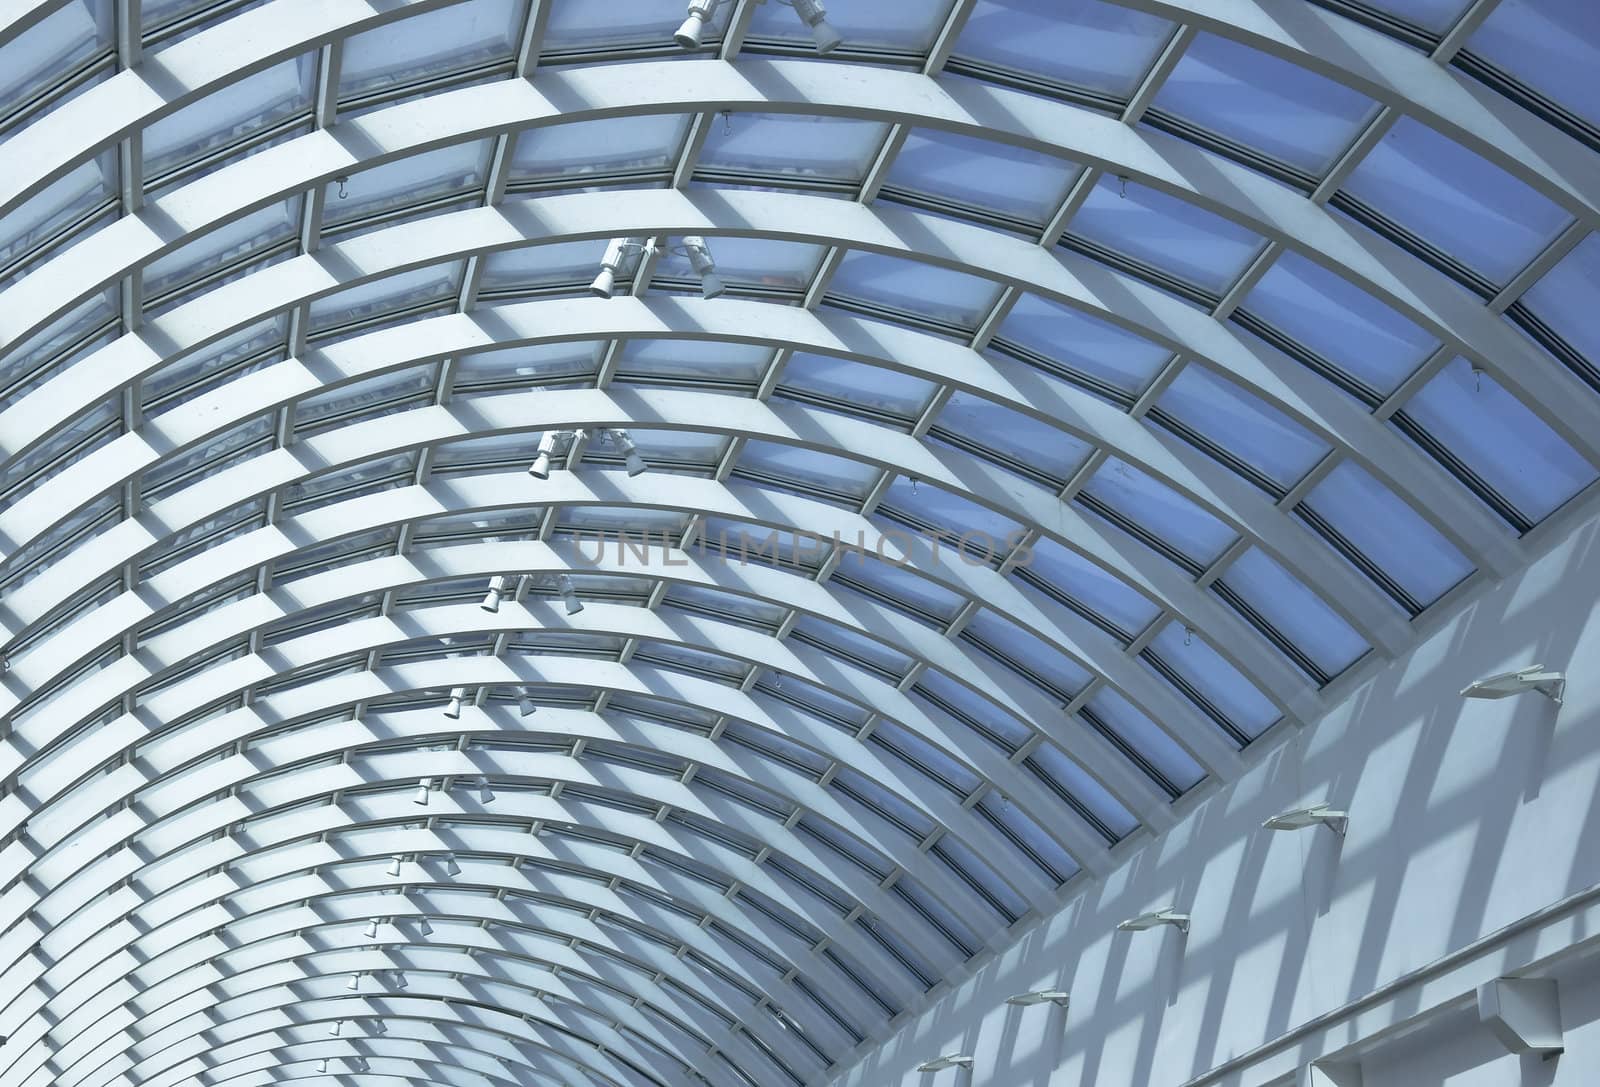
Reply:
x=525, y=703
x=811, y=12
x=623, y=253
x=553, y=440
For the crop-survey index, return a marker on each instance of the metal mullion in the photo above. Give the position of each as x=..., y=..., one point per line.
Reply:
x=531, y=44
x=1464, y=28
x=738, y=26
x=882, y=163
x=945, y=42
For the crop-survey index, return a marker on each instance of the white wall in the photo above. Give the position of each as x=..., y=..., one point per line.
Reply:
x=1466, y=816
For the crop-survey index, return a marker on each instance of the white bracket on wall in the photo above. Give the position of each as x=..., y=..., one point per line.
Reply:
x=1523, y=1013
x=1535, y=678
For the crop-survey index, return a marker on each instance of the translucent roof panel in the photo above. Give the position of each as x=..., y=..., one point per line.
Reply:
x=1075, y=343
x=63, y=41
x=1085, y=44
x=579, y=151
x=961, y=171
x=805, y=148
x=1234, y=423
x=474, y=33
x=940, y=296
x=1552, y=46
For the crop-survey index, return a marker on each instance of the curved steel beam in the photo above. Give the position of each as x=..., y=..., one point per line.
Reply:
x=1169, y=164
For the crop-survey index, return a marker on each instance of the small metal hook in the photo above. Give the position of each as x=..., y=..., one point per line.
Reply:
x=1122, y=186
x=1188, y=635
x=341, y=181
x=727, y=122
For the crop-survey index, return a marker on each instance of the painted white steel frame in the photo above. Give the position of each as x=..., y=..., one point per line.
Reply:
x=249, y=963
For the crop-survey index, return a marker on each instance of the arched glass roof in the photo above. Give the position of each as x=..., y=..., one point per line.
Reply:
x=1094, y=384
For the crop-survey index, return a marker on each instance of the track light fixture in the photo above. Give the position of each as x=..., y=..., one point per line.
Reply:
x=699, y=254
x=620, y=253
x=322, y=1065
x=354, y=983
x=450, y=865
x=424, y=928
x=1041, y=996
x=1313, y=816
x=371, y=931
x=815, y=16
x=497, y=591
x=569, y=595
x=1169, y=916
x=337, y=1028
x=397, y=978
x=394, y=865
x=693, y=30
x=525, y=704
x=485, y=794
x=424, y=787
x=1553, y=685
x=629, y=450
x=452, y=709
x=949, y=1060
x=550, y=443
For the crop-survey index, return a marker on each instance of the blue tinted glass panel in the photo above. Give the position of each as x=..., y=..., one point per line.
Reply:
x=755, y=263
x=966, y=531
x=1435, y=15
x=806, y=376
x=1387, y=530
x=227, y=115
x=581, y=26
x=59, y=205
x=1145, y=737
x=1456, y=201
x=570, y=264
x=1565, y=298
x=807, y=468
x=611, y=146
x=1083, y=343
x=901, y=585
x=824, y=148
x=273, y=225
x=1083, y=43
x=1059, y=675
x=1271, y=105
x=951, y=298
x=1243, y=425
x=1158, y=509
x=1340, y=322
x=434, y=283
x=1090, y=587
x=1028, y=836
x=994, y=724
x=1166, y=233
x=1009, y=433
x=1210, y=677
x=1500, y=439
x=1295, y=612
x=407, y=181
x=467, y=35
x=1012, y=181
x=1050, y=762
x=1551, y=45
x=52, y=47
x=693, y=360
x=517, y=366
x=908, y=25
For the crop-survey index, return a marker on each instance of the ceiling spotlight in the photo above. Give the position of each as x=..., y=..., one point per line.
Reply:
x=1315, y=815
x=338, y=1025
x=525, y=704
x=569, y=595
x=497, y=589
x=485, y=794
x=699, y=254
x=1042, y=996
x=354, y=982
x=619, y=253
x=322, y=1065
x=424, y=787
x=371, y=932
x=360, y=1063
x=1550, y=684
x=540, y=468
x=398, y=979
x=693, y=30
x=949, y=1060
x=450, y=865
x=424, y=928
x=630, y=451
x=378, y=1027
x=394, y=865
x=1144, y=921
x=452, y=709
x=815, y=15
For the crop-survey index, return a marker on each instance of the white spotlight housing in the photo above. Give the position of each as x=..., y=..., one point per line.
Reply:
x=1041, y=996
x=398, y=979
x=1169, y=916
x=497, y=590
x=949, y=1060
x=452, y=709
x=1313, y=816
x=630, y=452
x=485, y=794
x=338, y=1026
x=322, y=1065
x=616, y=258
x=354, y=982
x=424, y=787
x=424, y=928
x=450, y=865
x=371, y=931
x=394, y=865
x=693, y=30
x=540, y=468
x=704, y=266
x=569, y=595
x=525, y=704
x=815, y=16
x=378, y=1027
x=1535, y=678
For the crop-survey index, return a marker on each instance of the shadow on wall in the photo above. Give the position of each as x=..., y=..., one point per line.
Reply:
x=1465, y=816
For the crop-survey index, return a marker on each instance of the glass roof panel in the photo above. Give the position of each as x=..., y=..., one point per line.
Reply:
x=255, y=233
x=1339, y=322
x=464, y=35
x=53, y=210
x=901, y=586
x=1083, y=344
x=1435, y=15
x=1082, y=43
x=535, y=267
x=435, y=283
x=1564, y=298
x=808, y=377
x=1091, y=589
x=1172, y=236
x=1281, y=601
x=800, y=147
x=982, y=174
x=1497, y=437
x=1125, y=493
x=808, y=470
x=906, y=25
x=578, y=27
x=616, y=145
x=1051, y=763
x=1030, y=656
x=1129, y=724
x=698, y=360
x=1205, y=676
x=755, y=263
x=1552, y=46
x=1455, y=200
x=946, y=297
x=407, y=181
x=979, y=534
x=224, y=116
x=1269, y=105
x=1242, y=425
x=60, y=42
x=969, y=421
x=1385, y=529
x=516, y=367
